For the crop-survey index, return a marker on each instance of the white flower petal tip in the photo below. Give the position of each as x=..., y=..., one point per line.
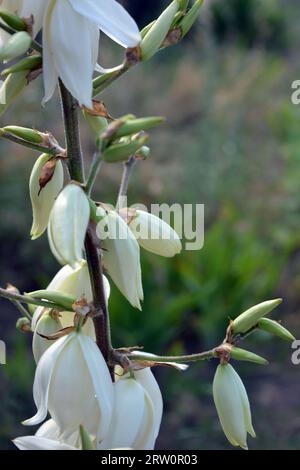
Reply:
x=74, y=396
x=152, y=358
x=40, y=443
x=232, y=405
x=121, y=257
x=155, y=235
x=68, y=224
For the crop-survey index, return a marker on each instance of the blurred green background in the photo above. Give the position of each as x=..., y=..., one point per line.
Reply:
x=231, y=142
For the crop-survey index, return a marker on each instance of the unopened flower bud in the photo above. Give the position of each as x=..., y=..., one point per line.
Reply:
x=23, y=324
x=122, y=151
x=12, y=20
x=11, y=88
x=189, y=19
x=18, y=44
x=248, y=356
x=68, y=224
x=143, y=153
x=65, y=301
x=232, y=405
x=276, y=329
x=250, y=317
x=29, y=63
x=42, y=200
x=152, y=41
x=24, y=133
x=155, y=235
x=132, y=126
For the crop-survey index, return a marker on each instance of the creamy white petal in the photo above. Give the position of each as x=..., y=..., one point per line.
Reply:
x=40, y=443
x=46, y=326
x=71, y=42
x=147, y=380
x=42, y=380
x=128, y=414
x=103, y=386
x=111, y=18
x=50, y=75
x=147, y=433
x=37, y=9
x=155, y=235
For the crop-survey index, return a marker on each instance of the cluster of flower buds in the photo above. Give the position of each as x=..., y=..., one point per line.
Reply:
x=229, y=393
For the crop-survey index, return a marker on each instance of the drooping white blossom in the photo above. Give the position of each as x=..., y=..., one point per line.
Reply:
x=68, y=224
x=232, y=405
x=133, y=422
x=42, y=200
x=121, y=256
x=73, y=383
x=71, y=31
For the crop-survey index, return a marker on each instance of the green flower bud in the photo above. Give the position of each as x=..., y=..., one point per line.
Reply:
x=11, y=88
x=86, y=442
x=183, y=4
x=143, y=153
x=122, y=151
x=64, y=300
x=132, y=126
x=275, y=328
x=23, y=324
x=242, y=355
x=18, y=44
x=145, y=30
x=29, y=63
x=158, y=32
x=189, y=19
x=24, y=133
x=42, y=200
x=250, y=317
x=232, y=405
x=13, y=20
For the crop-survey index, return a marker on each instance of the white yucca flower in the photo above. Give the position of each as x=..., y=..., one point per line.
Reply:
x=73, y=383
x=42, y=200
x=71, y=30
x=75, y=283
x=133, y=422
x=68, y=224
x=40, y=443
x=232, y=405
x=121, y=256
x=154, y=234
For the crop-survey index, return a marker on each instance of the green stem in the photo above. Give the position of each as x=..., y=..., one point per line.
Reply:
x=95, y=168
x=34, y=44
x=31, y=145
x=179, y=359
x=128, y=167
x=76, y=170
x=26, y=299
x=72, y=134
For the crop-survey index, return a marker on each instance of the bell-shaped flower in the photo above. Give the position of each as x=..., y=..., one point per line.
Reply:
x=73, y=383
x=121, y=256
x=42, y=200
x=47, y=325
x=68, y=224
x=133, y=422
x=71, y=60
x=232, y=405
x=154, y=234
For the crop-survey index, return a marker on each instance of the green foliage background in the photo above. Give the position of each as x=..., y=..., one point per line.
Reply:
x=231, y=142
